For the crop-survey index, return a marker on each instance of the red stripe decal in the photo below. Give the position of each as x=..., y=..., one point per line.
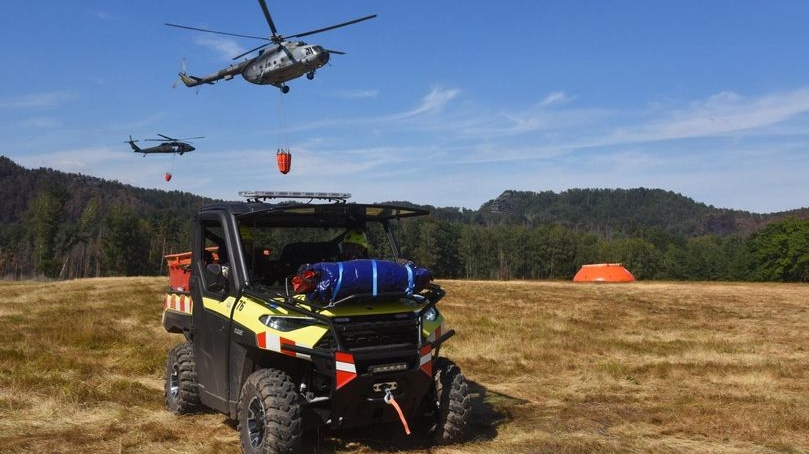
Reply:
x=287, y=342
x=344, y=368
x=426, y=359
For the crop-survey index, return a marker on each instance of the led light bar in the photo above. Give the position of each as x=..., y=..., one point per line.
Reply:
x=263, y=195
x=386, y=368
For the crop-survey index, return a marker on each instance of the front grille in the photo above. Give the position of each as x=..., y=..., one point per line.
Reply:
x=368, y=331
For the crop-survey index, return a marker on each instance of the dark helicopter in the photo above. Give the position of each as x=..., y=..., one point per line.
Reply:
x=169, y=145
x=285, y=61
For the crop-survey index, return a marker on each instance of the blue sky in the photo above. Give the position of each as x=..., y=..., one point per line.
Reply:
x=446, y=103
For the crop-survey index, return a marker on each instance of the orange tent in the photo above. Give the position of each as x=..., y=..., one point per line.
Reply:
x=603, y=272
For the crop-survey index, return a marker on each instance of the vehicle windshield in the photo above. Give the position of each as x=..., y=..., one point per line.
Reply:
x=274, y=253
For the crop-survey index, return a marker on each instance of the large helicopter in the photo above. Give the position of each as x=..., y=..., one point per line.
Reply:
x=169, y=145
x=285, y=61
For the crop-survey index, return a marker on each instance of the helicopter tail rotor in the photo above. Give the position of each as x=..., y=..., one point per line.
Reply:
x=131, y=143
x=188, y=80
x=182, y=73
x=192, y=81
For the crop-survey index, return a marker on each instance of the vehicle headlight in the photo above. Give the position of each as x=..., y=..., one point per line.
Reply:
x=430, y=315
x=286, y=323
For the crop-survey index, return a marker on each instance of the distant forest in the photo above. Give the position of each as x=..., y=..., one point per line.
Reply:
x=58, y=225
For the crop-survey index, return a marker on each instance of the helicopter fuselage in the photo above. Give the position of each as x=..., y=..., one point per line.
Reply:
x=289, y=60
x=166, y=147
x=278, y=61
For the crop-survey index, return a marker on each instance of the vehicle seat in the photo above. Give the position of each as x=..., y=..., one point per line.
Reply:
x=293, y=255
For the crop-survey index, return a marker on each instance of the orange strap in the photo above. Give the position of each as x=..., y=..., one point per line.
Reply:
x=391, y=401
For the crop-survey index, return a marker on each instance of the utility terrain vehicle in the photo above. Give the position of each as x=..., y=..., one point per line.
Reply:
x=284, y=335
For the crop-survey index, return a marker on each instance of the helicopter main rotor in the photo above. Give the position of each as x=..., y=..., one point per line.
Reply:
x=171, y=139
x=275, y=37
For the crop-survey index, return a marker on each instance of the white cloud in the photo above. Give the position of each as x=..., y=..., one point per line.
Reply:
x=557, y=97
x=718, y=115
x=102, y=15
x=41, y=123
x=432, y=103
x=358, y=93
x=446, y=151
x=225, y=48
x=38, y=100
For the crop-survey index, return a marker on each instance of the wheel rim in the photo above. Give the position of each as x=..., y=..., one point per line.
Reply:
x=174, y=382
x=255, y=421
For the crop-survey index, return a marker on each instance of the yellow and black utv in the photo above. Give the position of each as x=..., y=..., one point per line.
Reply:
x=305, y=314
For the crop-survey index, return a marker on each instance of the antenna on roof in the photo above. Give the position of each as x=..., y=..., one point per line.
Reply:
x=260, y=196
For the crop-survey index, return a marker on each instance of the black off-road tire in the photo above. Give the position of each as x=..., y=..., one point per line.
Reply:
x=270, y=414
x=181, y=390
x=454, y=403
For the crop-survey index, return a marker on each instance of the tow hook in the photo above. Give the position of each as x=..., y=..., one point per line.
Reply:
x=390, y=400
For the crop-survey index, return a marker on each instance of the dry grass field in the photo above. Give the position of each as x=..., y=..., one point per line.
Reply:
x=646, y=367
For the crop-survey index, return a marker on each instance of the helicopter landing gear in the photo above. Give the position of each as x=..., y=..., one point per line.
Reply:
x=284, y=89
x=310, y=75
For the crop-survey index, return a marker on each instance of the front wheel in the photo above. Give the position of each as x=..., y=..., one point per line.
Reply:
x=181, y=390
x=453, y=402
x=270, y=414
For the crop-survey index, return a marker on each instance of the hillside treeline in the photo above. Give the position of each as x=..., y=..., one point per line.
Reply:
x=66, y=226
x=778, y=252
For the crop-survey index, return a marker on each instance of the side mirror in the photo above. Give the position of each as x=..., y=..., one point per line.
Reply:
x=216, y=277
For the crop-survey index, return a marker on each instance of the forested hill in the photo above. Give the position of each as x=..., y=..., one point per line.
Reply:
x=64, y=226
x=606, y=212
x=610, y=212
x=19, y=186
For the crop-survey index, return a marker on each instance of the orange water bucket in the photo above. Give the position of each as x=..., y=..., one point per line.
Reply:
x=284, y=158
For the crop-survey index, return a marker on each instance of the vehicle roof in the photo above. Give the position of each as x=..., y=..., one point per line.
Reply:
x=338, y=214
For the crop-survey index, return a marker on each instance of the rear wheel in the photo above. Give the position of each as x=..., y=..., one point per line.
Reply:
x=270, y=414
x=181, y=391
x=454, y=403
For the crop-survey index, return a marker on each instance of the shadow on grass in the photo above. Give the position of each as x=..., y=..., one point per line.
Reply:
x=489, y=411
